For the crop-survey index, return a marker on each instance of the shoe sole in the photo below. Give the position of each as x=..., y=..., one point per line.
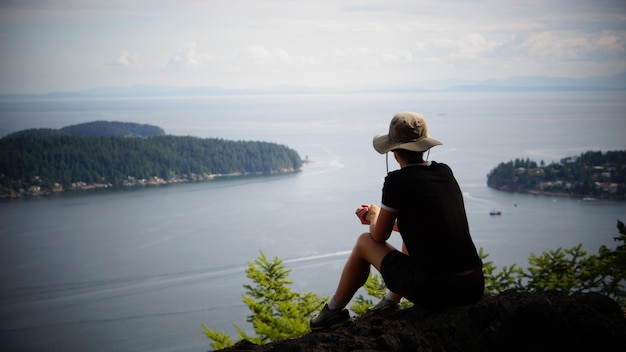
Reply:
x=333, y=326
x=388, y=309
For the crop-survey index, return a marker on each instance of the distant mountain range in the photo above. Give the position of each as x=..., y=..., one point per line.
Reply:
x=616, y=82
x=521, y=83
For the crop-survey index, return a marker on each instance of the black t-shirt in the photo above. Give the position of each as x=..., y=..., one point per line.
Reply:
x=431, y=218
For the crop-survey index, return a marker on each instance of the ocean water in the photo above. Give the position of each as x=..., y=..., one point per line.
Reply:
x=141, y=269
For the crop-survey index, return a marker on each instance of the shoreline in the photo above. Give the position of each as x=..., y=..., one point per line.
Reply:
x=585, y=197
x=133, y=182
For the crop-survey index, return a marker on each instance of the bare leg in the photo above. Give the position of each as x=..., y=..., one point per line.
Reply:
x=366, y=252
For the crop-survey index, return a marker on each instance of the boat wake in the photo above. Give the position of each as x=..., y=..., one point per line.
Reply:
x=317, y=257
x=95, y=290
x=70, y=303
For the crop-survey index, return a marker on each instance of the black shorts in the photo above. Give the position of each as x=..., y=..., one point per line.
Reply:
x=432, y=292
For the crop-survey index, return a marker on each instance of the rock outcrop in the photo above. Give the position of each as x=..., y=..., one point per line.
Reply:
x=511, y=321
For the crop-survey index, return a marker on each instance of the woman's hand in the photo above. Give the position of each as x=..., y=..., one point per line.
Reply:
x=361, y=213
x=367, y=213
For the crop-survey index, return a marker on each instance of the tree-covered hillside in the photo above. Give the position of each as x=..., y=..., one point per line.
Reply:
x=37, y=133
x=591, y=174
x=113, y=128
x=58, y=162
x=94, y=129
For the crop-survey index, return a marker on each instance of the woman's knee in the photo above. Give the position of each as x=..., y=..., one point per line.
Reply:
x=364, y=241
x=371, y=251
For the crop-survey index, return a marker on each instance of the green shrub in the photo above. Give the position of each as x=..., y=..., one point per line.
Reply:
x=278, y=312
x=565, y=270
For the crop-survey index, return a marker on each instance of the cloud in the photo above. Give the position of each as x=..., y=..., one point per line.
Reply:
x=397, y=57
x=187, y=57
x=257, y=54
x=611, y=44
x=126, y=60
x=260, y=55
x=569, y=46
x=190, y=56
x=474, y=45
x=465, y=47
x=193, y=59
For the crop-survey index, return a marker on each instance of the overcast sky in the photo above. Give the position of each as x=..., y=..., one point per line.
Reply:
x=60, y=45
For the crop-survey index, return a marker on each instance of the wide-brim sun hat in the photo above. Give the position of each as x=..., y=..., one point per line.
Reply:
x=408, y=131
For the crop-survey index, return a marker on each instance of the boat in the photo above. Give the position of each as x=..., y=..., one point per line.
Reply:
x=495, y=212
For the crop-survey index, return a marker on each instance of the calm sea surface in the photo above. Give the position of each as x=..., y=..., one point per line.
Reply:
x=141, y=269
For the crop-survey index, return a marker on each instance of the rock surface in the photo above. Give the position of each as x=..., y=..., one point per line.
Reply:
x=511, y=321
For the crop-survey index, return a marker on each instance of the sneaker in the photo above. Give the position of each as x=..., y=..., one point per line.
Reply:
x=330, y=319
x=384, y=305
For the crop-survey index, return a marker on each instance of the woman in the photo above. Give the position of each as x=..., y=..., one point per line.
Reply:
x=438, y=266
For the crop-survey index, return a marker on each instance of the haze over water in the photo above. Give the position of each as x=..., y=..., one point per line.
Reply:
x=141, y=269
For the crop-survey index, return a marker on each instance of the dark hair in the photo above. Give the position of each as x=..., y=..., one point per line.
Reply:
x=410, y=156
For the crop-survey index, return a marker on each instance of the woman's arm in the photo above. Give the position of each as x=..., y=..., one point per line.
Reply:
x=381, y=221
x=382, y=224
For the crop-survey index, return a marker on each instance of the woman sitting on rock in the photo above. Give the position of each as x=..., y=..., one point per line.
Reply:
x=438, y=266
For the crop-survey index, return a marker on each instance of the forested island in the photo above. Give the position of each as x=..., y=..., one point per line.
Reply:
x=105, y=154
x=590, y=175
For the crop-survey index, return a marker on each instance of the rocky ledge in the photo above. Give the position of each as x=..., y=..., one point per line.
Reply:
x=511, y=321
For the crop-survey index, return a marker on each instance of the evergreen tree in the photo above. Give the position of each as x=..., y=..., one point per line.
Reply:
x=277, y=311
